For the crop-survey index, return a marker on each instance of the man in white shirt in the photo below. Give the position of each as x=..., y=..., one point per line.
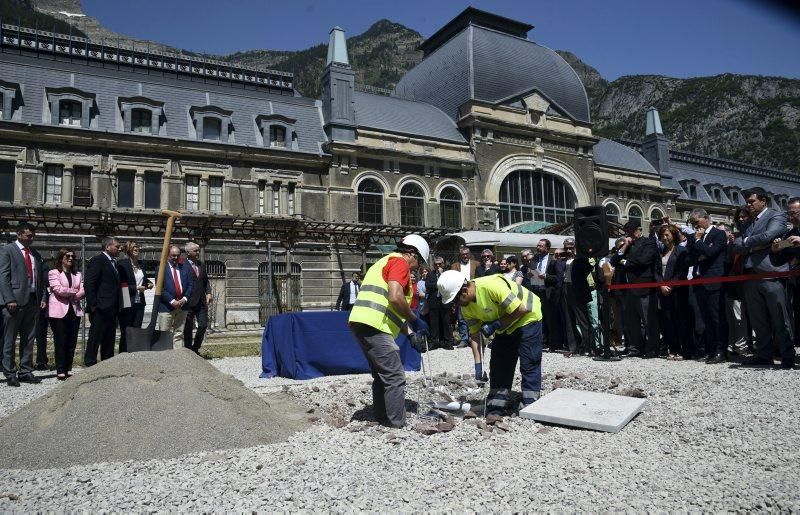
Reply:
x=348, y=293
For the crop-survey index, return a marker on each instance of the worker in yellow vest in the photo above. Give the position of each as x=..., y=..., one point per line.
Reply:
x=494, y=305
x=381, y=311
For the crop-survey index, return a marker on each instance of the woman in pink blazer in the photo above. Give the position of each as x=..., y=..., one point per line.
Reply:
x=64, y=310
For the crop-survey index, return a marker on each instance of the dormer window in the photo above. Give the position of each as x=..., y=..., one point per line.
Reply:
x=70, y=107
x=277, y=131
x=8, y=92
x=141, y=115
x=212, y=123
x=70, y=113
x=142, y=121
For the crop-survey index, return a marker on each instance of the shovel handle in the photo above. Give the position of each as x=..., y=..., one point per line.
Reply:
x=171, y=217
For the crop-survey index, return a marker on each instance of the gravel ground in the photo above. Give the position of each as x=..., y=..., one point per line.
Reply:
x=713, y=438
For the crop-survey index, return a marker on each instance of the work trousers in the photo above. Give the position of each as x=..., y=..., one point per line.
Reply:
x=129, y=317
x=389, y=377
x=199, y=313
x=525, y=344
x=65, y=336
x=711, y=304
x=768, y=308
x=21, y=323
x=101, y=335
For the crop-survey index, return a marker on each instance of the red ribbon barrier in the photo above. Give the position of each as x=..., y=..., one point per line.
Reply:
x=707, y=280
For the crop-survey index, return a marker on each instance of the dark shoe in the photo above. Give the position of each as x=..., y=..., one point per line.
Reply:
x=787, y=364
x=32, y=379
x=714, y=360
x=755, y=361
x=61, y=377
x=41, y=367
x=13, y=381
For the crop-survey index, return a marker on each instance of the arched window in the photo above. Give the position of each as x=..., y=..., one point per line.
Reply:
x=634, y=213
x=612, y=213
x=370, y=202
x=656, y=214
x=412, y=205
x=450, y=207
x=526, y=195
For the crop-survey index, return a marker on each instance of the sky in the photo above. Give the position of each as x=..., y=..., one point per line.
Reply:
x=677, y=38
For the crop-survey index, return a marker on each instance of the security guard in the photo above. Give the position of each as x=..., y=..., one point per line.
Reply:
x=493, y=304
x=381, y=310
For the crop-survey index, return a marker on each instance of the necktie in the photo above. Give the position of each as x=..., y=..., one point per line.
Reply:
x=28, y=263
x=196, y=270
x=178, y=291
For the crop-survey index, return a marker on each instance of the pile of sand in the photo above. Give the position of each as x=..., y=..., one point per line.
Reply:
x=142, y=406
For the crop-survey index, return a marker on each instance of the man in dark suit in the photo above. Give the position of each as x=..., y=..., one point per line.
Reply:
x=348, y=293
x=173, y=303
x=640, y=259
x=767, y=304
x=197, y=306
x=791, y=255
x=578, y=295
x=707, y=253
x=102, y=287
x=22, y=286
x=439, y=313
x=555, y=296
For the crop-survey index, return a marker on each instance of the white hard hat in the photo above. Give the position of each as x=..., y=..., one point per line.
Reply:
x=449, y=284
x=419, y=243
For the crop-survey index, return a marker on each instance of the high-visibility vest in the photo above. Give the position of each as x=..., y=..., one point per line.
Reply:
x=372, y=306
x=494, y=294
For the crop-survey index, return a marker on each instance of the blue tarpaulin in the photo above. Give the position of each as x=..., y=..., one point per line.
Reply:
x=314, y=344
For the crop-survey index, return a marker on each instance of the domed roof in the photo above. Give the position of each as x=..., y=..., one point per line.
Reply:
x=493, y=66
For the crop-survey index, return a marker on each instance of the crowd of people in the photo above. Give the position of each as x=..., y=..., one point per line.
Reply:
x=35, y=293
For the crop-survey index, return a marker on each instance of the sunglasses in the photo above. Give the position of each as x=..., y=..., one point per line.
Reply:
x=69, y=256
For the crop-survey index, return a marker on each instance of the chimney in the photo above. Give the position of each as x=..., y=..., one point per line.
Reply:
x=655, y=146
x=338, y=87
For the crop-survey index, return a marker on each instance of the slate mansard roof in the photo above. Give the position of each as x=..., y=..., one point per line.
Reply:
x=616, y=155
x=400, y=116
x=495, y=67
x=36, y=77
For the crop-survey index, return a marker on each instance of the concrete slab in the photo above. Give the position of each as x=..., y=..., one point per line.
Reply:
x=588, y=410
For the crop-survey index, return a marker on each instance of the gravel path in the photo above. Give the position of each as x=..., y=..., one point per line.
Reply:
x=713, y=438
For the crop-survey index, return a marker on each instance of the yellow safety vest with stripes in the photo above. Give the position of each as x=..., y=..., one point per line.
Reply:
x=496, y=296
x=372, y=306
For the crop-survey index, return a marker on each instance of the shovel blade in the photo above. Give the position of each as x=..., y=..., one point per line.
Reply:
x=147, y=339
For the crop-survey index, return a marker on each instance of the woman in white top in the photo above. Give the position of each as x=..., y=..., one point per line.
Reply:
x=132, y=273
